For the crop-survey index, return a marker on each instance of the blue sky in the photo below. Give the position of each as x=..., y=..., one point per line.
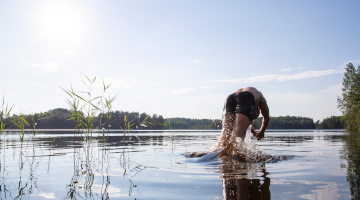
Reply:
x=179, y=58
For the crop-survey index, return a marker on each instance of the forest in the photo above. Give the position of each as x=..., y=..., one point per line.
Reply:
x=60, y=118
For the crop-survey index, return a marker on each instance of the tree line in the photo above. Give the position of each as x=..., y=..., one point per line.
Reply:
x=60, y=119
x=293, y=122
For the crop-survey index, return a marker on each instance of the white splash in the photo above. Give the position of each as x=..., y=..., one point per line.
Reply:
x=229, y=145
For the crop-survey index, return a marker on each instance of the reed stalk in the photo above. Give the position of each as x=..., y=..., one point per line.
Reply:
x=21, y=122
x=85, y=109
x=4, y=114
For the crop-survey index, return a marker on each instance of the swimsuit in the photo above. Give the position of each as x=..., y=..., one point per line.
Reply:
x=240, y=103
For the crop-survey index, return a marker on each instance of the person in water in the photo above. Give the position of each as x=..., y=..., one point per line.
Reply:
x=240, y=109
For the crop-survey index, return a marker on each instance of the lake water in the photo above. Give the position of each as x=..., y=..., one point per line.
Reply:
x=309, y=164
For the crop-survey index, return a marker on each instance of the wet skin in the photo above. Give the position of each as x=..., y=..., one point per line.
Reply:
x=242, y=122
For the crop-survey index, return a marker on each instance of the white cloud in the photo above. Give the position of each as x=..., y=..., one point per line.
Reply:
x=186, y=176
x=50, y=66
x=121, y=85
x=317, y=105
x=111, y=190
x=202, y=106
x=322, y=190
x=53, y=104
x=307, y=74
x=141, y=97
x=196, y=61
x=354, y=62
x=280, y=77
x=295, y=98
x=115, y=84
x=70, y=52
x=290, y=69
x=47, y=195
x=336, y=89
x=42, y=68
x=182, y=91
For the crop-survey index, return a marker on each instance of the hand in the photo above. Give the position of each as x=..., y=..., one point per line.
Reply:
x=259, y=135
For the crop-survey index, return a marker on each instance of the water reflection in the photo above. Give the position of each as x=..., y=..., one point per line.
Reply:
x=153, y=166
x=352, y=154
x=243, y=180
x=289, y=139
x=90, y=165
x=95, y=163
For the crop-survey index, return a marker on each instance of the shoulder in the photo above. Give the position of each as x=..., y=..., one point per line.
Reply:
x=259, y=97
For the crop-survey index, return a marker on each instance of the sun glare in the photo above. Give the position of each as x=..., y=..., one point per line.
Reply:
x=61, y=21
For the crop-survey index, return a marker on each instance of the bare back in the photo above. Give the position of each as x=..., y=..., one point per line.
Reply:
x=240, y=122
x=258, y=97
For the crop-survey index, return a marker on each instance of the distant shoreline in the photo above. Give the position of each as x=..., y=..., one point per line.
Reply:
x=171, y=130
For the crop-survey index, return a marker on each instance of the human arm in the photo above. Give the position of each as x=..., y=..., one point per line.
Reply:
x=266, y=118
x=253, y=131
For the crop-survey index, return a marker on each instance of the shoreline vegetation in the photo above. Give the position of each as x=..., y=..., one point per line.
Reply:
x=60, y=118
x=86, y=111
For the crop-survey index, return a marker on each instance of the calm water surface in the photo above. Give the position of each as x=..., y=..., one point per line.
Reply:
x=152, y=165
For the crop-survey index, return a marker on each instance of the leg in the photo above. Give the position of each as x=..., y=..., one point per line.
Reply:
x=227, y=125
x=242, y=122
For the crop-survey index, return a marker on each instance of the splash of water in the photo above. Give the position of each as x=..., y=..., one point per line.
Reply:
x=238, y=148
x=230, y=147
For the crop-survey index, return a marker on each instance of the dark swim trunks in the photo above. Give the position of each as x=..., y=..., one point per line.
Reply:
x=240, y=103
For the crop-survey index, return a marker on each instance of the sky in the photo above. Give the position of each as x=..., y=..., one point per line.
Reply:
x=178, y=58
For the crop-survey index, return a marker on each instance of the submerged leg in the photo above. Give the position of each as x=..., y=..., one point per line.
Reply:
x=227, y=125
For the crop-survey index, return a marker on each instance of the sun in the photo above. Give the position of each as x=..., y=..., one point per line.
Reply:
x=61, y=20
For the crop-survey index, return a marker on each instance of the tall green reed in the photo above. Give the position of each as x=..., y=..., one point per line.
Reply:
x=106, y=106
x=85, y=109
x=4, y=114
x=74, y=105
x=21, y=123
x=127, y=126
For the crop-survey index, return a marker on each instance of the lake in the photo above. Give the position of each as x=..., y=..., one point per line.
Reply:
x=306, y=164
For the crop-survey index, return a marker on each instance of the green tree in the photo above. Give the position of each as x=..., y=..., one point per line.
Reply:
x=349, y=103
x=333, y=122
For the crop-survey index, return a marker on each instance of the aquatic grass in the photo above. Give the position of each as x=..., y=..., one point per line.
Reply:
x=80, y=119
x=89, y=118
x=127, y=127
x=105, y=109
x=21, y=123
x=84, y=110
x=34, y=119
x=75, y=109
x=4, y=114
x=172, y=137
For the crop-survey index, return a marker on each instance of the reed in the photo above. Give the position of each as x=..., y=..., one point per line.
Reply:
x=4, y=114
x=21, y=123
x=127, y=127
x=106, y=106
x=74, y=106
x=84, y=110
